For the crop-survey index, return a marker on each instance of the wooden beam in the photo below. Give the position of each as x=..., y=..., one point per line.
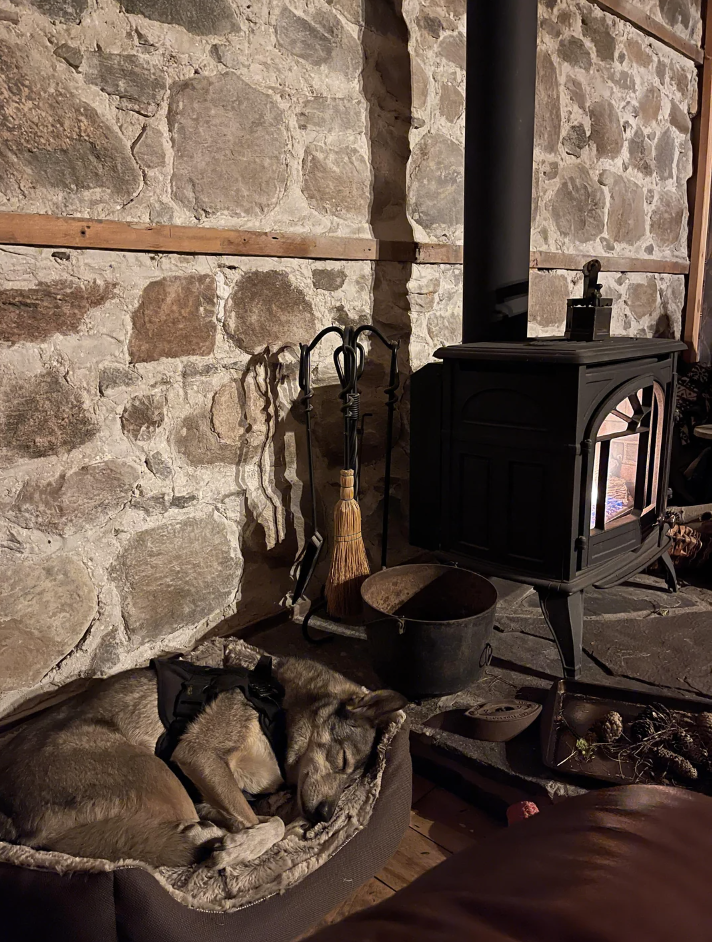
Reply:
x=562, y=261
x=72, y=233
x=701, y=208
x=632, y=13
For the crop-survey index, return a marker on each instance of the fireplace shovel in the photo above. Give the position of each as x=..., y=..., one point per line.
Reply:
x=349, y=360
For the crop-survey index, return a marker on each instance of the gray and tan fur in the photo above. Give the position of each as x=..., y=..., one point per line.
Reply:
x=83, y=779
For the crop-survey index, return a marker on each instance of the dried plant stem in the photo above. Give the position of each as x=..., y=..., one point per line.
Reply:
x=349, y=563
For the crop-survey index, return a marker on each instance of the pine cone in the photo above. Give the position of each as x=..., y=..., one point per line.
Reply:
x=704, y=722
x=657, y=714
x=686, y=543
x=641, y=729
x=668, y=761
x=684, y=745
x=610, y=728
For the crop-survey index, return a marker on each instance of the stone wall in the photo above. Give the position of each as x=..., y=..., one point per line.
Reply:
x=151, y=456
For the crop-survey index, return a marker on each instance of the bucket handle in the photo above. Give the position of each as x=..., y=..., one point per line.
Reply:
x=396, y=618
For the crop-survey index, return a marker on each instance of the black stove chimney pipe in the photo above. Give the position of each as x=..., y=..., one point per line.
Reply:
x=499, y=153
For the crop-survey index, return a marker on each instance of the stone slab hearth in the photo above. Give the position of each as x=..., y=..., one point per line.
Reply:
x=635, y=635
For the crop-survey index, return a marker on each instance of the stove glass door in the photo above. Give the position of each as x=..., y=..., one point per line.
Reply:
x=626, y=468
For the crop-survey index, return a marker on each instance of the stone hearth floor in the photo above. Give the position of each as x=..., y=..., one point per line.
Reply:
x=635, y=635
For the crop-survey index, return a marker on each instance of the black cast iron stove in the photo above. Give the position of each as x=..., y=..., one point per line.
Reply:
x=543, y=461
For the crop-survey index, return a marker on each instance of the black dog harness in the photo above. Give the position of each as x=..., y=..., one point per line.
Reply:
x=185, y=689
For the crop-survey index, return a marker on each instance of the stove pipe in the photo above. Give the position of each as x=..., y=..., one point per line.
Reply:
x=499, y=153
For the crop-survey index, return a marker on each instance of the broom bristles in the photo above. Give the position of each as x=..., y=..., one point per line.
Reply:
x=349, y=563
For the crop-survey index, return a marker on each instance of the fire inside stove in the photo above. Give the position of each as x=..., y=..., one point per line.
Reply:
x=627, y=459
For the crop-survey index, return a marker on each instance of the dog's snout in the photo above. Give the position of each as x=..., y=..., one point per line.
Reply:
x=324, y=811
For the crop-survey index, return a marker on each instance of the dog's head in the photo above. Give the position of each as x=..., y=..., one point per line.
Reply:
x=332, y=725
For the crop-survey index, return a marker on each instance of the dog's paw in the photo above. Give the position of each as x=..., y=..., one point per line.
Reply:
x=246, y=845
x=299, y=826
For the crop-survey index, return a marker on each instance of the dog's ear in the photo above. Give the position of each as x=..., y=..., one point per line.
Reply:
x=376, y=707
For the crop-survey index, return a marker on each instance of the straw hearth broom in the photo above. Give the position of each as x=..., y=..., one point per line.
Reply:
x=349, y=563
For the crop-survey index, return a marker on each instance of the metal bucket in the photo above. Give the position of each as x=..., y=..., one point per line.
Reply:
x=429, y=627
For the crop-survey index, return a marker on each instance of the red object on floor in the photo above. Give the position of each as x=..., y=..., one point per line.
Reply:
x=521, y=811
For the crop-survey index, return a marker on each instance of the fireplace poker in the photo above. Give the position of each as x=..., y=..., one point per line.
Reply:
x=349, y=564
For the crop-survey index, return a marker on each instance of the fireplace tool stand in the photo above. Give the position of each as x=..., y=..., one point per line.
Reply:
x=349, y=360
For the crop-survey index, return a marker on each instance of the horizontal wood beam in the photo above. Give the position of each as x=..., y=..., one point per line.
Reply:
x=71, y=233
x=563, y=261
x=632, y=13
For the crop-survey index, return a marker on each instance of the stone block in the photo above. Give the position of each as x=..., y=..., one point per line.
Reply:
x=142, y=416
x=666, y=218
x=606, y=131
x=66, y=11
x=149, y=149
x=227, y=413
x=664, y=650
x=626, y=210
x=77, y=501
x=597, y=30
x=679, y=119
x=574, y=51
x=332, y=114
x=206, y=18
x=665, y=154
x=175, y=318
x=197, y=441
x=58, y=307
x=130, y=77
x=41, y=415
x=547, y=121
x=452, y=48
x=575, y=140
x=45, y=609
x=452, y=102
x=649, y=105
x=336, y=181
x=266, y=308
x=640, y=153
x=314, y=40
x=116, y=377
x=642, y=298
x=578, y=205
x=69, y=54
x=328, y=279
x=436, y=194
x=244, y=132
x=548, y=294
x=174, y=576
x=50, y=139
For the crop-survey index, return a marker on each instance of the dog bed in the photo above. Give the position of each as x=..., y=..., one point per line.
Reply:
x=52, y=896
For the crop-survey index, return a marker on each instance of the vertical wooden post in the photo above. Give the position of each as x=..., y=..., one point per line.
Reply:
x=701, y=209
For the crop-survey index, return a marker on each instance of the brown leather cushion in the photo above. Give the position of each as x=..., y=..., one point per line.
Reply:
x=131, y=906
x=618, y=865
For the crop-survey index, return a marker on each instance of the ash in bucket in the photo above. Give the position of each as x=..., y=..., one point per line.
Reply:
x=443, y=600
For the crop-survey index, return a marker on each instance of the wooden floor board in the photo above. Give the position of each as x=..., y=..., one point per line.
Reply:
x=365, y=896
x=440, y=824
x=421, y=787
x=416, y=855
x=447, y=813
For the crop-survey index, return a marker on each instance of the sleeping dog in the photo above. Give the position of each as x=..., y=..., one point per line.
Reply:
x=83, y=778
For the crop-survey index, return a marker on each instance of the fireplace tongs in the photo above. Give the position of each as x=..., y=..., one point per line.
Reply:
x=349, y=360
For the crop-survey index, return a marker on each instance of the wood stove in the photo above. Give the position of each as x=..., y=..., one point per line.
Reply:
x=539, y=460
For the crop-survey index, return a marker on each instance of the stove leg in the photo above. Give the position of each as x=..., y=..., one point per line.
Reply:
x=669, y=572
x=564, y=616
